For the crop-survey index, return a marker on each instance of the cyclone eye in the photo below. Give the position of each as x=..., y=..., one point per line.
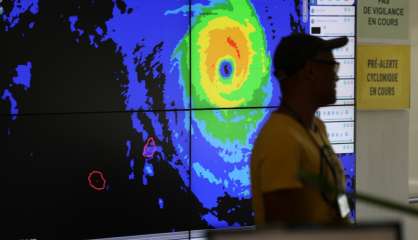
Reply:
x=226, y=69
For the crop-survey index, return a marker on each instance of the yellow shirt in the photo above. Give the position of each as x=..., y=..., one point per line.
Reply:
x=282, y=149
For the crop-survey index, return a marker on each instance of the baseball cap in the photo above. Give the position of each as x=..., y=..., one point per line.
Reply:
x=296, y=49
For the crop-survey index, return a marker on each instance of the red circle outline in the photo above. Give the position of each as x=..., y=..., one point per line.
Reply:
x=91, y=174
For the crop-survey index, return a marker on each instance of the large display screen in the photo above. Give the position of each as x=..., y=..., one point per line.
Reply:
x=328, y=19
x=132, y=117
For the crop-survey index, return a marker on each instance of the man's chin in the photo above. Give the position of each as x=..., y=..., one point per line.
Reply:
x=329, y=101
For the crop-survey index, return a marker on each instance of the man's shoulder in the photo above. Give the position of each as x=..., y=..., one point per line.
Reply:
x=280, y=121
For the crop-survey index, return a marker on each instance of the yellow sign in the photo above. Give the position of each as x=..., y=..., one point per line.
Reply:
x=383, y=77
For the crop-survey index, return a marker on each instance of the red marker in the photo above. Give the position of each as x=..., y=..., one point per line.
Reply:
x=149, y=148
x=96, y=180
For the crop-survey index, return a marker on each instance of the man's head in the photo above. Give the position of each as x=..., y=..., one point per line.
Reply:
x=305, y=61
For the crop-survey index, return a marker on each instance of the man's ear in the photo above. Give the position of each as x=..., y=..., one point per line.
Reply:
x=308, y=71
x=310, y=67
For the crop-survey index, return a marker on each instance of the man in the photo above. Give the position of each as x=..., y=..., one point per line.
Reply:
x=293, y=140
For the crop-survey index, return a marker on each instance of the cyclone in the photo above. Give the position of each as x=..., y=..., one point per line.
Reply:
x=224, y=63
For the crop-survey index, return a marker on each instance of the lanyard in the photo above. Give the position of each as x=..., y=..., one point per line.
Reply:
x=322, y=148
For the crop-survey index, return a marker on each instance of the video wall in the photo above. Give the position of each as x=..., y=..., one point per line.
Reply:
x=131, y=117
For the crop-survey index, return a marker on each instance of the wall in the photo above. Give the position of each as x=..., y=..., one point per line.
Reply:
x=413, y=137
x=382, y=163
x=387, y=143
